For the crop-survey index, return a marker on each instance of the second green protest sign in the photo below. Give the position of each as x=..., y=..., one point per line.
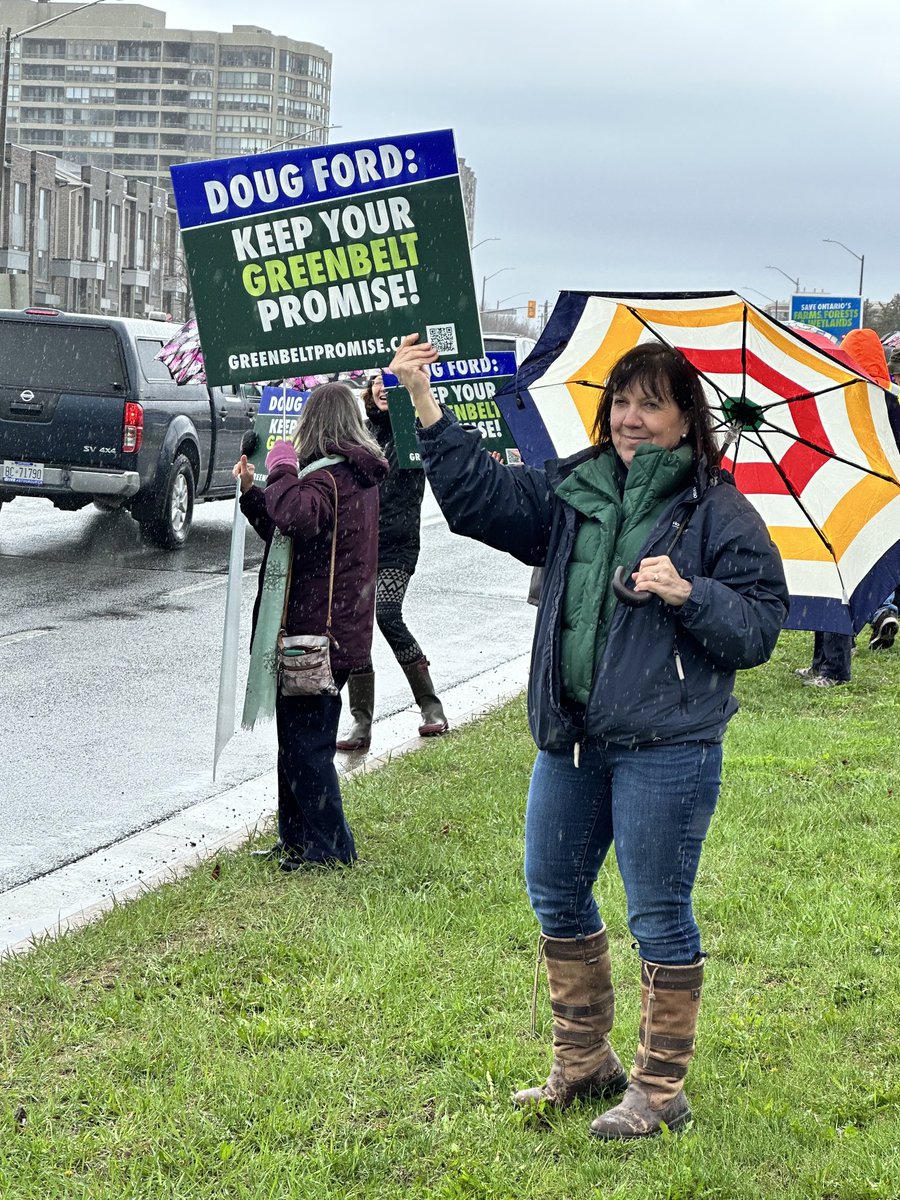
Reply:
x=320, y=260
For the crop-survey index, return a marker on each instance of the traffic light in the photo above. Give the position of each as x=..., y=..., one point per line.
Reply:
x=532, y=308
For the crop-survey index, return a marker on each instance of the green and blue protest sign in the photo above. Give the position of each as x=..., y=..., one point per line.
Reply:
x=467, y=387
x=275, y=420
x=321, y=259
x=836, y=315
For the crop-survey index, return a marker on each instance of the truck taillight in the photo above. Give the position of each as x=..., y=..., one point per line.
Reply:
x=132, y=428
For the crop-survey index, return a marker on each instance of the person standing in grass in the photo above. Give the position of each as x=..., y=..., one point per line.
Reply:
x=398, y=552
x=832, y=661
x=628, y=703
x=318, y=516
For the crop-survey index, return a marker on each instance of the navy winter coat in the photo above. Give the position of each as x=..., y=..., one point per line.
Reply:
x=731, y=620
x=304, y=510
x=401, y=503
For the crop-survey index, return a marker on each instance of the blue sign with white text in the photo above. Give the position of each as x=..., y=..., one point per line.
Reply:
x=228, y=188
x=501, y=362
x=836, y=315
x=275, y=401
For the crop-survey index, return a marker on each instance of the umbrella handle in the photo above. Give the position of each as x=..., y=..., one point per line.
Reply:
x=627, y=595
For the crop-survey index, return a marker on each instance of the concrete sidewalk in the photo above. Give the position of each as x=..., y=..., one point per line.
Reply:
x=81, y=891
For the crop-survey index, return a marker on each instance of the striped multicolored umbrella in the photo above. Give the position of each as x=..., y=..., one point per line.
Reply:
x=809, y=441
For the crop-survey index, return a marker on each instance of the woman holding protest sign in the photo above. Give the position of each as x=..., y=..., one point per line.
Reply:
x=318, y=516
x=629, y=695
x=398, y=553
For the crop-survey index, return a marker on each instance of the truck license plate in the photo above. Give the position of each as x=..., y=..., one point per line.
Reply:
x=23, y=472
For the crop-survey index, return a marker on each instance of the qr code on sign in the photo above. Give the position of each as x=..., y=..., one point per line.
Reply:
x=442, y=337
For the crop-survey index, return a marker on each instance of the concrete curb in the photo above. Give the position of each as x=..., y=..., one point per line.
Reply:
x=69, y=897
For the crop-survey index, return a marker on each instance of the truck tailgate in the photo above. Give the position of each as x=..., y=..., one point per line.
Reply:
x=61, y=428
x=63, y=388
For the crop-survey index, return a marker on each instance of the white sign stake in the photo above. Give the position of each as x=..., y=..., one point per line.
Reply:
x=230, y=641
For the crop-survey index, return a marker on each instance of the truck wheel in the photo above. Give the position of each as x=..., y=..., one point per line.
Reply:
x=170, y=526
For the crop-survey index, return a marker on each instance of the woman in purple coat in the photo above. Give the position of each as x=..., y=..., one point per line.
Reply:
x=312, y=828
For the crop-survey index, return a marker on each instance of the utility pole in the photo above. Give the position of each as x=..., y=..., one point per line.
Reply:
x=4, y=93
x=8, y=38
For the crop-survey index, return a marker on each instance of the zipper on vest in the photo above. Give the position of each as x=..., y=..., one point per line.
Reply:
x=679, y=670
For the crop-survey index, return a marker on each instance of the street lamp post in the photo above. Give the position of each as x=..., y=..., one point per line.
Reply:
x=795, y=282
x=8, y=38
x=483, y=240
x=861, y=258
x=485, y=278
x=297, y=136
x=765, y=296
x=514, y=296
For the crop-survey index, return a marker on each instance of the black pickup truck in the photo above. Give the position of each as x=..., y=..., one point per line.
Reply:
x=89, y=415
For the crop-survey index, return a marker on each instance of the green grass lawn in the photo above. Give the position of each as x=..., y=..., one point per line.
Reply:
x=245, y=1034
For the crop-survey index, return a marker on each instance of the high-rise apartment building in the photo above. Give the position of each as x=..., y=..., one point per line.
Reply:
x=112, y=87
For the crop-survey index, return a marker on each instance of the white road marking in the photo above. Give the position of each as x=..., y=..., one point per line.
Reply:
x=26, y=635
x=205, y=586
x=195, y=587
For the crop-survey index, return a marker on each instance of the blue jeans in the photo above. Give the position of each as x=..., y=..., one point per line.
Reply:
x=655, y=804
x=891, y=604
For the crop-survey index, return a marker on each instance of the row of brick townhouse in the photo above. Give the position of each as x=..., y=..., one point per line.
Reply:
x=87, y=240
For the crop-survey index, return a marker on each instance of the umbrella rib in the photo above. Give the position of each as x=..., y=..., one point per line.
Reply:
x=819, y=532
x=720, y=422
x=796, y=495
x=712, y=383
x=836, y=387
x=830, y=454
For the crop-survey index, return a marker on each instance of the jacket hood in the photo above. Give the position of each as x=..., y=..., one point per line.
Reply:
x=865, y=348
x=368, y=468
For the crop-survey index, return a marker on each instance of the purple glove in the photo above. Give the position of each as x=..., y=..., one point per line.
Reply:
x=282, y=454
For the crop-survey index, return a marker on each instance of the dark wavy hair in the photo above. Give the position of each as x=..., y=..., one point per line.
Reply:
x=666, y=372
x=366, y=395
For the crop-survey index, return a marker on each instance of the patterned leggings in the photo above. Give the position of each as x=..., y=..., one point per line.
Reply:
x=389, y=593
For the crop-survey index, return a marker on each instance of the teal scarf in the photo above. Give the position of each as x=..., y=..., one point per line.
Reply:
x=262, y=679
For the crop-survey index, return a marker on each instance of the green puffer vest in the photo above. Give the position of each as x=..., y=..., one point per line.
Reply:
x=615, y=527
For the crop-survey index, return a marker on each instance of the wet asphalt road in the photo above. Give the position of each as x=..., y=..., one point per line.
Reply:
x=109, y=667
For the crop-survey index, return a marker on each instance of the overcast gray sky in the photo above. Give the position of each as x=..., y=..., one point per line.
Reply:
x=660, y=144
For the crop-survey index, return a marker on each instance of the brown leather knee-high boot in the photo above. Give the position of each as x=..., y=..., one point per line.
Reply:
x=361, y=702
x=434, y=720
x=670, y=1005
x=583, y=1004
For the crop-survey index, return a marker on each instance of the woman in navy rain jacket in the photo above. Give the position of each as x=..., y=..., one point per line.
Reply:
x=627, y=704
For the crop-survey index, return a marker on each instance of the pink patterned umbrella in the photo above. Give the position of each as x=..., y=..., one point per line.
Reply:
x=804, y=329
x=304, y=383
x=184, y=356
